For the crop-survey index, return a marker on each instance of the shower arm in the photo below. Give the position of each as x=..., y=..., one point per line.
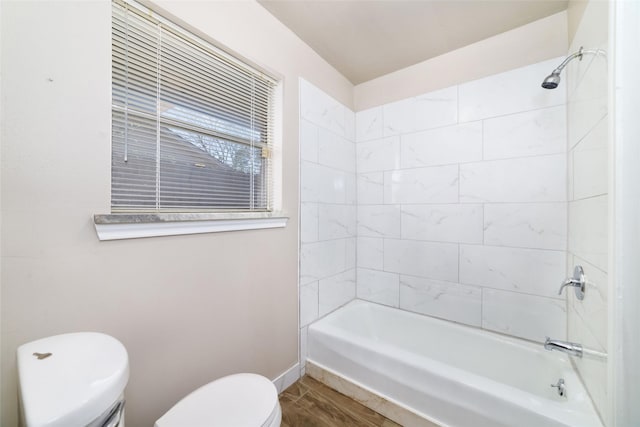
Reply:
x=579, y=54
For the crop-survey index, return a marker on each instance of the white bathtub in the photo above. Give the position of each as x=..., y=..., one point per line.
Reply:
x=453, y=375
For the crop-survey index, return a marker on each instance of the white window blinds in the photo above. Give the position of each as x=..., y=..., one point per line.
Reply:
x=192, y=127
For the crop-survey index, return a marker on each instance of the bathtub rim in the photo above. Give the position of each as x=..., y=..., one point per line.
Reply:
x=581, y=405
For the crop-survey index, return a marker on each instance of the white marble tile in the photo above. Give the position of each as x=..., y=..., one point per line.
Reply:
x=399, y=117
x=593, y=309
x=437, y=108
x=592, y=366
x=378, y=155
x=588, y=230
x=308, y=222
x=588, y=175
x=588, y=103
x=321, y=109
x=370, y=252
x=369, y=124
x=526, y=225
x=531, y=179
x=350, y=255
x=447, y=145
x=349, y=125
x=570, y=180
x=509, y=92
x=425, y=259
x=442, y=223
x=322, y=259
x=531, y=133
x=308, y=303
x=446, y=300
x=525, y=316
x=430, y=110
x=350, y=189
x=379, y=221
x=336, y=152
x=336, y=291
x=531, y=271
x=336, y=221
x=323, y=184
x=592, y=370
x=590, y=163
x=370, y=188
x=438, y=184
x=378, y=286
x=308, y=141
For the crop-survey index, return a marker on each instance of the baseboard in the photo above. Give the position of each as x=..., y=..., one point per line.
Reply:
x=288, y=377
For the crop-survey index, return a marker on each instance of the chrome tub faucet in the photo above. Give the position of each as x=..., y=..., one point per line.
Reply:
x=572, y=348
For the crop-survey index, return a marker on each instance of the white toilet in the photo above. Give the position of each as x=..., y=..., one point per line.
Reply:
x=240, y=400
x=78, y=380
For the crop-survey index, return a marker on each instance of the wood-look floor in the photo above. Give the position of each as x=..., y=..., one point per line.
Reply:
x=309, y=403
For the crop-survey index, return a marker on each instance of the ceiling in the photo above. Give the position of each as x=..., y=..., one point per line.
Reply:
x=365, y=39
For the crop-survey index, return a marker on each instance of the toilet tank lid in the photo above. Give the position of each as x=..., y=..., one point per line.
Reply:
x=70, y=379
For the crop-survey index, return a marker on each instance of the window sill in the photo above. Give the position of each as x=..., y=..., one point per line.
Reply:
x=133, y=226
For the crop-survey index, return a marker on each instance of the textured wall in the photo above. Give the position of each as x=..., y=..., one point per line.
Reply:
x=462, y=203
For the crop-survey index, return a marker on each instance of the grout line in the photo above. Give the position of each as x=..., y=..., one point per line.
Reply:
x=513, y=113
x=595, y=196
x=472, y=162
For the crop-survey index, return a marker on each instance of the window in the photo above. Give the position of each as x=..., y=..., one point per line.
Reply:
x=192, y=127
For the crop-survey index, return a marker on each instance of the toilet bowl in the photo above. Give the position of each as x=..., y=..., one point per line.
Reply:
x=240, y=400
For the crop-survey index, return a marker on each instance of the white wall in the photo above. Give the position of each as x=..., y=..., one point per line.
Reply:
x=1, y=126
x=624, y=292
x=189, y=309
x=462, y=203
x=588, y=167
x=528, y=44
x=328, y=207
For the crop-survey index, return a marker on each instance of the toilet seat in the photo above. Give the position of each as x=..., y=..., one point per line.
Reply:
x=240, y=400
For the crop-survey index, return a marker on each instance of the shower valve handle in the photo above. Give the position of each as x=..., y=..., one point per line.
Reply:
x=577, y=281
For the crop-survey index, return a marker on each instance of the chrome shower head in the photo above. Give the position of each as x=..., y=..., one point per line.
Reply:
x=552, y=80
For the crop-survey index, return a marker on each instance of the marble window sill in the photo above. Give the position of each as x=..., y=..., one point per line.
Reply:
x=133, y=226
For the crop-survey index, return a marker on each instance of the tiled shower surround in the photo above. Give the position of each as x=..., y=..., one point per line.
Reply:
x=461, y=206
x=588, y=142
x=327, y=207
x=462, y=209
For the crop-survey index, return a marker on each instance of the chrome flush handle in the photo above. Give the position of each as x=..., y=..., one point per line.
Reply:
x=577, y=281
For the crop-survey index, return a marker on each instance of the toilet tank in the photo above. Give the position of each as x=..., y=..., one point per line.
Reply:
x=72, y=379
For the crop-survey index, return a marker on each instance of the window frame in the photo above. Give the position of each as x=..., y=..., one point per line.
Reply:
x=124, y=224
